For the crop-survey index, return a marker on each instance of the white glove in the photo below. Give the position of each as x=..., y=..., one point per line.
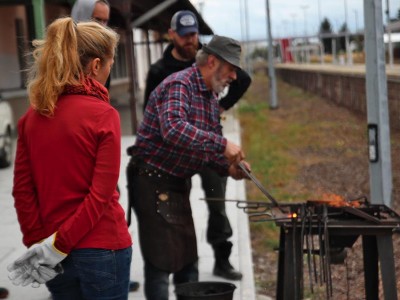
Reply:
x=27, y=274
x=38, y=265
x=20, y=275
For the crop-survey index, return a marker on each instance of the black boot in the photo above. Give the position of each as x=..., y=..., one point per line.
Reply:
x=223, y=267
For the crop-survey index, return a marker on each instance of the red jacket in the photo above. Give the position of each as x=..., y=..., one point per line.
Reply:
x=66, y=173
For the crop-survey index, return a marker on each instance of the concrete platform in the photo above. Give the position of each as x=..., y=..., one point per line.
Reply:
x=11, y=245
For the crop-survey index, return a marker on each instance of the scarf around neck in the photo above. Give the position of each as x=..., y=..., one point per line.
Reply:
x=89, y=87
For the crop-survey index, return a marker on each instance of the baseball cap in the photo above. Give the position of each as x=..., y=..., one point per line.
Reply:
x=225, y=48
x=184, y=22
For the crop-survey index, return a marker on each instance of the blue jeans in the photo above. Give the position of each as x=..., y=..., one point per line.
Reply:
x=157, y=281
x=93, y=274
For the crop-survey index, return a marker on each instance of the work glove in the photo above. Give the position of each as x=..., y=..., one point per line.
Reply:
x=38, y=265
x=26, y=274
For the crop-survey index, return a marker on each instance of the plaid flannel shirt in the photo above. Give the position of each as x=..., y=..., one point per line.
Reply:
x=180, y=133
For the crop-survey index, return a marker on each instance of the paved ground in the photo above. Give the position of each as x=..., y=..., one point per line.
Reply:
x=11, y=246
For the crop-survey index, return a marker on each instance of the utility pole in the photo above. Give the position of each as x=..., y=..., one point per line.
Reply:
x=347, y=37
x=294, y=24
x=389, y=33
x=380, y=166
x=245, y=34
x=306, y=56
x=246, y=18
x=377, y=105
x=304, y=8
x=356, y=18
x=273, y=101
x=319, y=33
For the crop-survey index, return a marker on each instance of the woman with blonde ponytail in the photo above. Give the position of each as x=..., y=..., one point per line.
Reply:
x=67, y=168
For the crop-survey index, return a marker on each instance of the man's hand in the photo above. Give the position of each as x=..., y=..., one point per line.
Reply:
x=236, y=172
x=233, y=152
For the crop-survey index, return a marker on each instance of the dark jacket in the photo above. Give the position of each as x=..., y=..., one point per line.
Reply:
x=167, y=65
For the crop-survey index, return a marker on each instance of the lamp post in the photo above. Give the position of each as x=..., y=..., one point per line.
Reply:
x=304, y=8
x=389, y=33
x=285, y=33
x=273, y=102
x=294, y=23
x=347, y=37
x=319, y=16
x=305, y=52
x=245, y=35
x=319, y=33
x=356, y=18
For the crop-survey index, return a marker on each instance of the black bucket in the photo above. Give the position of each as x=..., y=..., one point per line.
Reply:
x=210, y=290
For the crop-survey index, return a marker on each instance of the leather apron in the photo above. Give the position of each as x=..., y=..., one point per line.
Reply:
x=162, y=207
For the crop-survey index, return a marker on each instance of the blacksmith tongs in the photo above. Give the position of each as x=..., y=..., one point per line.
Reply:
x=259, y=185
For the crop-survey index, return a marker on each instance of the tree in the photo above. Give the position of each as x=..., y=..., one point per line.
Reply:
x=260, y=53
x=342, y=39
x=326, y=28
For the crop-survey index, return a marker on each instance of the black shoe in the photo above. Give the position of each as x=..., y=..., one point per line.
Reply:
x=227, y=271
x=133, y=286
x=3, y=293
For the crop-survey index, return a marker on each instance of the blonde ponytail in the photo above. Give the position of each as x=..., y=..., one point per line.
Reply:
x=58, y=62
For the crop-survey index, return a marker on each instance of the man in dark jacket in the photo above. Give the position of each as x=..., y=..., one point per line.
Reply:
x=180, y=54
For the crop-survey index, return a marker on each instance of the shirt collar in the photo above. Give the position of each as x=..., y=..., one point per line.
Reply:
x=200, y=80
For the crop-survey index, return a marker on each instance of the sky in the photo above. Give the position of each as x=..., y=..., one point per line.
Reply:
x=288, y=17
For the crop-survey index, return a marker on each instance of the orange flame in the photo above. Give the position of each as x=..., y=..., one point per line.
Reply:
x=332, y=198
x=338, y=201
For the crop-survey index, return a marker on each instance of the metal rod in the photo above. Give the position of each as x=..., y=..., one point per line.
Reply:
x=294, y=247
x=321, y=264
x=327, y=254
x=258, y=184
x=308, y=235
x=313, y=249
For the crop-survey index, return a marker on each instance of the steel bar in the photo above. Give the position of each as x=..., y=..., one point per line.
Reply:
x=361, y=214
x=321, y=254
x=308, y=248
x=329, y=290
x=258, y=184
x=313, y=248
x=294, y=266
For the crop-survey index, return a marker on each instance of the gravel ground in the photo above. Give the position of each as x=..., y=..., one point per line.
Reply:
x=341, y=166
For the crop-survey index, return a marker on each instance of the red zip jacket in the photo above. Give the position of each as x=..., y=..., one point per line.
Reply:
x=66, y=173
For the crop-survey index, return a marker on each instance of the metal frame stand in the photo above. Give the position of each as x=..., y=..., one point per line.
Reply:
x=377, y=247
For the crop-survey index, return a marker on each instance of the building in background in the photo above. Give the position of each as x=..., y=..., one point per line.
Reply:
x=142, y=25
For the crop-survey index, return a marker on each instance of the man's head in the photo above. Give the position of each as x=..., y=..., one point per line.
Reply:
x=86, y=10
x=224, y=48
x=101, y=12
x=184, y=35
x=218, y=61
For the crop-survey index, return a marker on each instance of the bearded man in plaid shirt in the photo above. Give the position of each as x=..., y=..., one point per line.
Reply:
x=179, y=136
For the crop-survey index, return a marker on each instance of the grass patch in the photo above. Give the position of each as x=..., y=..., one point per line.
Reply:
x=273, y=141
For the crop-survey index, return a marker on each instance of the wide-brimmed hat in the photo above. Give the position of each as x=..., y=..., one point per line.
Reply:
x=184, y=22
x=225, y=48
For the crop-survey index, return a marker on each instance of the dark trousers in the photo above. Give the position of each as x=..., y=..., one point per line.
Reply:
x=157, y=281
x=166, y=230
x=219, y=229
